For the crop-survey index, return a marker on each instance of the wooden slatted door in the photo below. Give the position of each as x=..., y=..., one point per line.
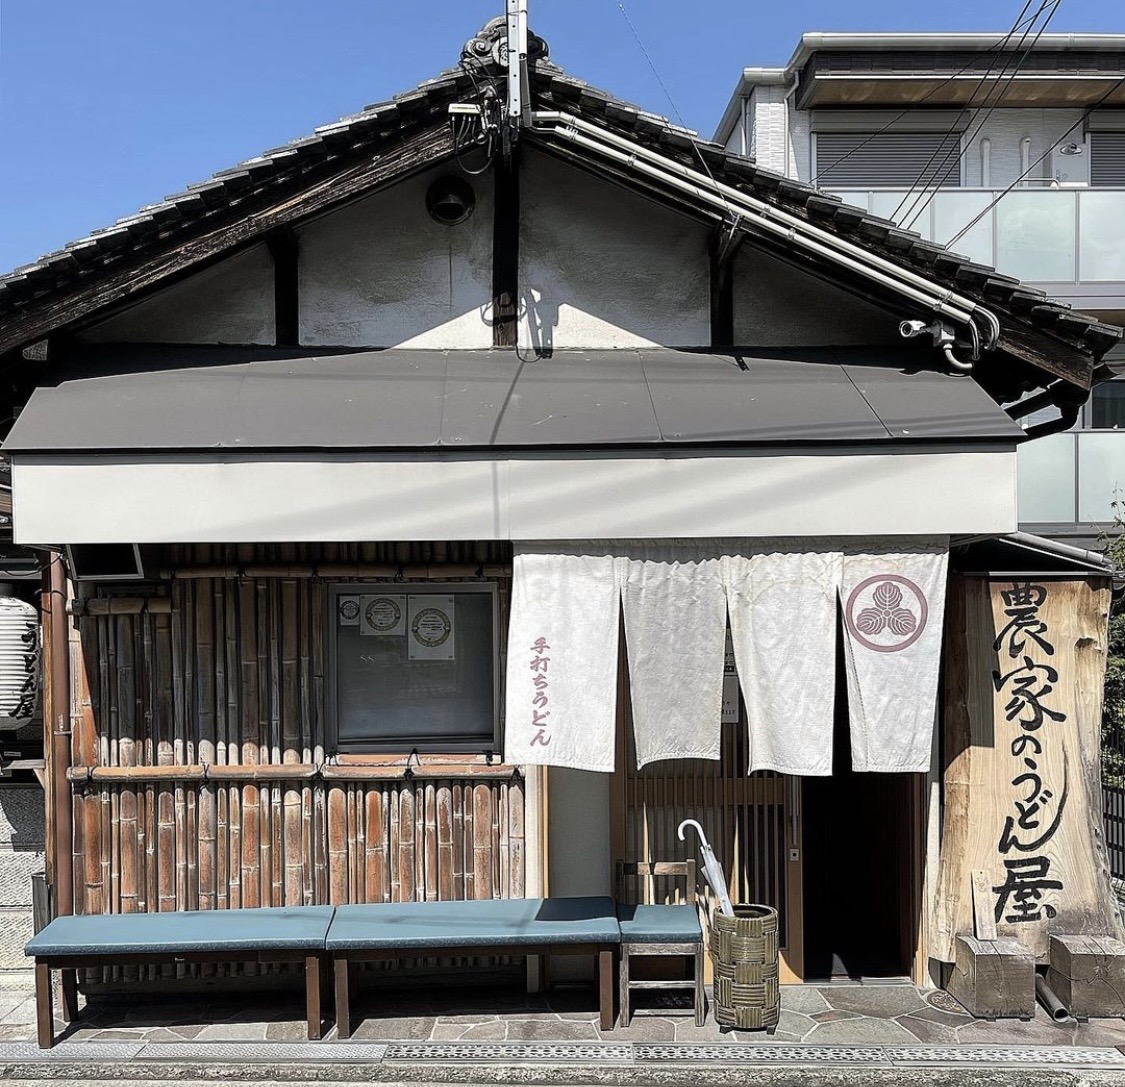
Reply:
x=751, y=820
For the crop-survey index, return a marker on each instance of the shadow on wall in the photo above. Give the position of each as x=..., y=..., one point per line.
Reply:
x=22, y=818
x=542, y=318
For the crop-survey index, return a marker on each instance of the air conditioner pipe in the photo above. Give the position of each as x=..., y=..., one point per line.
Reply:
x=772, y=219
x=1056, y=1009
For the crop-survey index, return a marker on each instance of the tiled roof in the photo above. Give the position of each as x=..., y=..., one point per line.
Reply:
x=160, y=228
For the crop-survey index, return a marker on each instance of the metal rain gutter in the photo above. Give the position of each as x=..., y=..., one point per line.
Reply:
x=761, y=217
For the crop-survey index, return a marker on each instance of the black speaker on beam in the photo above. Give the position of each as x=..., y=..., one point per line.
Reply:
x=105, y=562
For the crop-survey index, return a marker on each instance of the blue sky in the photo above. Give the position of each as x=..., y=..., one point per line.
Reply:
x=106, y=105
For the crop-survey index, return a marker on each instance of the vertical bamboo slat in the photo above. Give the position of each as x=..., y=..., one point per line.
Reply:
x=235, y=673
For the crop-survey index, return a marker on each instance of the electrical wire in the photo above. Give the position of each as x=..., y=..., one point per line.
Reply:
x=1026, y=173
x=998, y=52
x=1016, y=27
x=733, y=215
x=1003, y=86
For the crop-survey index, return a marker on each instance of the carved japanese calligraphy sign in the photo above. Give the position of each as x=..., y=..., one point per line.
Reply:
x=1024, y=669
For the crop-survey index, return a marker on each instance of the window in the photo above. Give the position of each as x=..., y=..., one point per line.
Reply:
x=902, y=159
x=1107, y=406
x=413, y=666
x=1107, y=158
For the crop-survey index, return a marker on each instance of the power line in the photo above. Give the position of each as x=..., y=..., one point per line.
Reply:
x=1003, y=85
x=1081, y=121
x=1016, y=27
x=675, y=109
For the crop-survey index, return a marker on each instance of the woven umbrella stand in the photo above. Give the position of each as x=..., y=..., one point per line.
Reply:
x=745, y=946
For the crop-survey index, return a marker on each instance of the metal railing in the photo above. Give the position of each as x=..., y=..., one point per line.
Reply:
x=1040, y=235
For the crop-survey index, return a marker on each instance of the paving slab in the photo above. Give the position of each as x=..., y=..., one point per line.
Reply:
x=803, y=998
x=879, y=1001
x=861, y=1032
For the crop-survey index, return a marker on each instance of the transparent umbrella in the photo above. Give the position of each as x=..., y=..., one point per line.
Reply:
x=712, y=869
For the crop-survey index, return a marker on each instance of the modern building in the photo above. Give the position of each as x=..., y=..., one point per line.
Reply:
x=1008, y=149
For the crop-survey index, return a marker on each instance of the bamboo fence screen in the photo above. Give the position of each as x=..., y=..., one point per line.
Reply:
x=199, y=771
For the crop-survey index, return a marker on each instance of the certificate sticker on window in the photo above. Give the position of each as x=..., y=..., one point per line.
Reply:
x=430, y=623
x=382, y=615
x=347, y=611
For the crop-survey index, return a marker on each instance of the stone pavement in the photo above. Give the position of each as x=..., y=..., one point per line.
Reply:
x=836, y=1015
x=438, y=1032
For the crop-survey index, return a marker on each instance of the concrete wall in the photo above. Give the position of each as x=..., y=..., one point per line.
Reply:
x=22, y=838
x=383, y=273
x=231, y=302
x=602, y=268
x=776, y=304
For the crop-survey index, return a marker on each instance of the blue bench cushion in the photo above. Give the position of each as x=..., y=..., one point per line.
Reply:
x=490, y=923
x=296, y=928
x=659, y=924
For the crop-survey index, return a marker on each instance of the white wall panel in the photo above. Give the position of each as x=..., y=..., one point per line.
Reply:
x=602, y=268
x=231, y=302
x=778, y=305
x=382, y=273
x=266, y=499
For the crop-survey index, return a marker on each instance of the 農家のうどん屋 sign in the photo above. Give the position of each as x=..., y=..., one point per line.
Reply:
x=1024, y=673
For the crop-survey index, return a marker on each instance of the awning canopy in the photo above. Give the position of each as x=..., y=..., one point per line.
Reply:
x=150, y=399
x=162, y=445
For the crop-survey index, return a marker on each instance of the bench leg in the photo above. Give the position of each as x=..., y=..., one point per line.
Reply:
x=44, y=1012
x=312, y=996
x=69, y=987
x=605, y=988
x=343, y=1010
x=700, y=1003
x=623, y=986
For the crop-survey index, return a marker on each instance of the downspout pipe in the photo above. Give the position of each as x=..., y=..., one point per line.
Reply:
x=1067, y=417
x=54, y=605
x=769, y=219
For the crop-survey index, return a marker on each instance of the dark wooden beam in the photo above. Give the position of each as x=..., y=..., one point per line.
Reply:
x=724, y=245
x=286, y=290
x=506, y=251
x=408, y=158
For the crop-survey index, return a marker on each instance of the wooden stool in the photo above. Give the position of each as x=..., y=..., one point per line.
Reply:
x=994, y=979
x=659, y=930
x=1087, y=974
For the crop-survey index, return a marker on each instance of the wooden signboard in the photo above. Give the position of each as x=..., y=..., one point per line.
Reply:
x=1023, y=701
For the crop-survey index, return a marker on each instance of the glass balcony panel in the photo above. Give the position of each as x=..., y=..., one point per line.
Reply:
x=1101, y=475
x=886, y=204
x=1035, y=236
x=1045, y=479
x=1101, y=248
x=953, y=211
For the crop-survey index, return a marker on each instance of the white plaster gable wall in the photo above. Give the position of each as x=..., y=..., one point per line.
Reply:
x=382, y=273
x=777, y=305
x=1006, y=128
x=603, y=268
x=231, y=302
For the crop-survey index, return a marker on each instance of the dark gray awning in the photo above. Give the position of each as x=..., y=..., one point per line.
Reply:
x=166, y=399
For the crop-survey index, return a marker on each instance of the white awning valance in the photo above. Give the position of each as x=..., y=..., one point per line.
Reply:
x=781, y=599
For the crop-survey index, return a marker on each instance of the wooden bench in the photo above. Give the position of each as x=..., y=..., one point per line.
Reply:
x=69, y=944
x=474, y=929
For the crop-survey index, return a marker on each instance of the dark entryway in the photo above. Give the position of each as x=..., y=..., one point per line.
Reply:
x=858, y=860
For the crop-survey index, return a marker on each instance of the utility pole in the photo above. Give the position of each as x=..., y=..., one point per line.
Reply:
x=519, y=88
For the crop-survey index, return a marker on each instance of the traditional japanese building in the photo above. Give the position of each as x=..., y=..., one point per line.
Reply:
x=450, y=502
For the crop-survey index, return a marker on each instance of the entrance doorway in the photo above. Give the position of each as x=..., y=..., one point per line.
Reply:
x=859, y=863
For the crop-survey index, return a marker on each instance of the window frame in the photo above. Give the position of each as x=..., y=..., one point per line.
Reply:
x=406, y=745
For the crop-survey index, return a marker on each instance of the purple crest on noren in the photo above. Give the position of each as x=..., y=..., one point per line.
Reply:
x=886, y=613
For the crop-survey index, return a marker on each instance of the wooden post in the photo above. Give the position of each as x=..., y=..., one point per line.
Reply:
x=312, y=996
x=44, y=1013
x=605, y=988
x=343, y=1007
